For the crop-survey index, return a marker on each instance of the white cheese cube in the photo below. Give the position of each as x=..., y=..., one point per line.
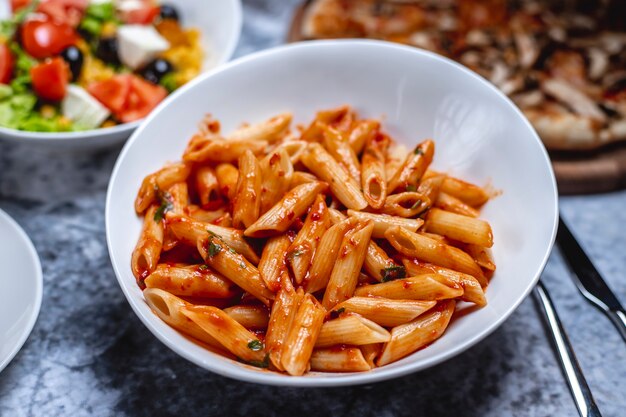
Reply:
x=82, y=108
x=139, y=44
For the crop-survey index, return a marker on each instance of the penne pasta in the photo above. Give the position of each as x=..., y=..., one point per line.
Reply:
x=234, y=266
x=363, y=132
x=339, y=117
x=414, y=166
x=283, y=312
x=294, y=149
x=179, y=197
x=343, y=359
x=344, y=187
x=302, y=336
x=379, y=265
x=482, y=256
x=269, y=130
x=227, y=178
x=205, y=149
x=148, y=250
x=191, y=281
x=207, y=185
x=247, y=202
x=430, y=250
x=206, y=216
x=431, y=186
x=345, y=274
x=422, y=287
x=454, y=205
x=277, y=172
x=351, y=329
x=383, y=311
x=373, y=177
x=154, y=184
x=409, y=337
x=406, y=204
x=249, y=316
x=233, y=336
x=382, y=222
x=341, y=151
x=293, y=205
x=272, y=263
x=396, y=154
x=300, y=252
x=370, y=353
x=470, y=194
x=299, y=178
x=457, y=227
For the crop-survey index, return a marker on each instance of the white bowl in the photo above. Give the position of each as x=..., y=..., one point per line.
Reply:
x=220, y=24
x=480, y=136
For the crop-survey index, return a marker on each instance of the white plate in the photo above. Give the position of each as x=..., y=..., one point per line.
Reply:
x=480, y=136
x=20, y=288
x=220, y=24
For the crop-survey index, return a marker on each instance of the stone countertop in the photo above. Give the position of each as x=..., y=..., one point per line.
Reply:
x=89, y=355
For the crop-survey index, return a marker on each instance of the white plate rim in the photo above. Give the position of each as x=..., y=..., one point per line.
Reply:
x=26, y=331
x=270, y=378
x=21, y=136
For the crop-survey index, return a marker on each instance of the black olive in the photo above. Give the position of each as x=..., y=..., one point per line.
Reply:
x=155, y=70
x=169, y=12
x=107, y=51
x=74, y=58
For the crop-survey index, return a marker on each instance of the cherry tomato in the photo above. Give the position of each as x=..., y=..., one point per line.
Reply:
x=141, y=14
x=69, y=12
x=50, y=79
x=44, y=38
x=112, y=93
x=6, y=64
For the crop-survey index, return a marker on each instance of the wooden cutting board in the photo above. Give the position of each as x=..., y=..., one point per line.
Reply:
x=576, y=172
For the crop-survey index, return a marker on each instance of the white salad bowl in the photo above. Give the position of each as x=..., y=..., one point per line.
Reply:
x=479, y=134
x=219, y=22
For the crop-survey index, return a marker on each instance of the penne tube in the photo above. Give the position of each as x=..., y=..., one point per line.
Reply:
x=339, y=117
x=227, y=178
x=379, y=265
x=293, y=205
x=370, y=353
x=383, y=311
x=470, y=194
x=414, y=167
x=396, y=154
x=430, y=250
x=299, y=178
x=422, y=287
x=431, y=186
x=344, y=187
x=345, y=274
x=472, y=288
x=277, y=172
x=272, y=263
x=247, y=201
x=191, y=281
x=206, y=216
x=168, y=308
x=373, y=179
x=158, y=182
x=457, y=227
x=363, y=132
x=302, y=336
x=269, y=130
x=409, y=337
x=179, y=197
x=481, y=255
x=283, y=312
x=382, y=222
x=339, y=359
x=249, y=316
x=341, y=151
x=301, y=251
x=351, y=329
x=207, y=186
x=326, y=255
x=452, y=204
x=293, y=148
x=233, y=336
x=189, y=231
x=148, y=250
x=203, y=149
x=406, y=204
x=234, y=266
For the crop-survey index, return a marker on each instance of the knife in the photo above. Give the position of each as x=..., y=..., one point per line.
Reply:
x=588, y=279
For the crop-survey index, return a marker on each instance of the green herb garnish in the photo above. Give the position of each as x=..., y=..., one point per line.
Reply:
x=166, y=205
x=265, y=363
x=416, y=204
x=203, y=267
x=214, y=249
x=418, y=151
x=336, y=313
x=393, y=272
x=255, y=345
x=411, y=187
x=231, y=250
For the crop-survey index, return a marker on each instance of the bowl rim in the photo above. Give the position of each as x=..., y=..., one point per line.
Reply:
x=272, y=378
x=23, y=136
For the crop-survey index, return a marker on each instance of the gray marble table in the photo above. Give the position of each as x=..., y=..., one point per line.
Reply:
x=89, y=355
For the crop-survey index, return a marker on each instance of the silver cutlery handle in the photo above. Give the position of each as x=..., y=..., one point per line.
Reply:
x=569, y=364
x=618, y=317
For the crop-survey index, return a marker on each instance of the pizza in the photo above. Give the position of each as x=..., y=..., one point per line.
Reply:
x=563, y=63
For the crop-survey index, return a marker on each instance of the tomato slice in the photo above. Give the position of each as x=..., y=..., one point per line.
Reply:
x=69, y=12
x=50, y=79
x=6, y=64
x=18, y=4
x=44, y=38
x=144, y=97
x=141, y=13
x=113, y=93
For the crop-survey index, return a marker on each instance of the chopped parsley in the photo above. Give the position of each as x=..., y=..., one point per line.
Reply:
x=265, y=363
x=203, y=267
x=214, y=249
x=411, y=187
x=231, y=250
x=418, y=151
x=336, y=313
x=393, y=272
x=255, y=345
x=416, y=204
